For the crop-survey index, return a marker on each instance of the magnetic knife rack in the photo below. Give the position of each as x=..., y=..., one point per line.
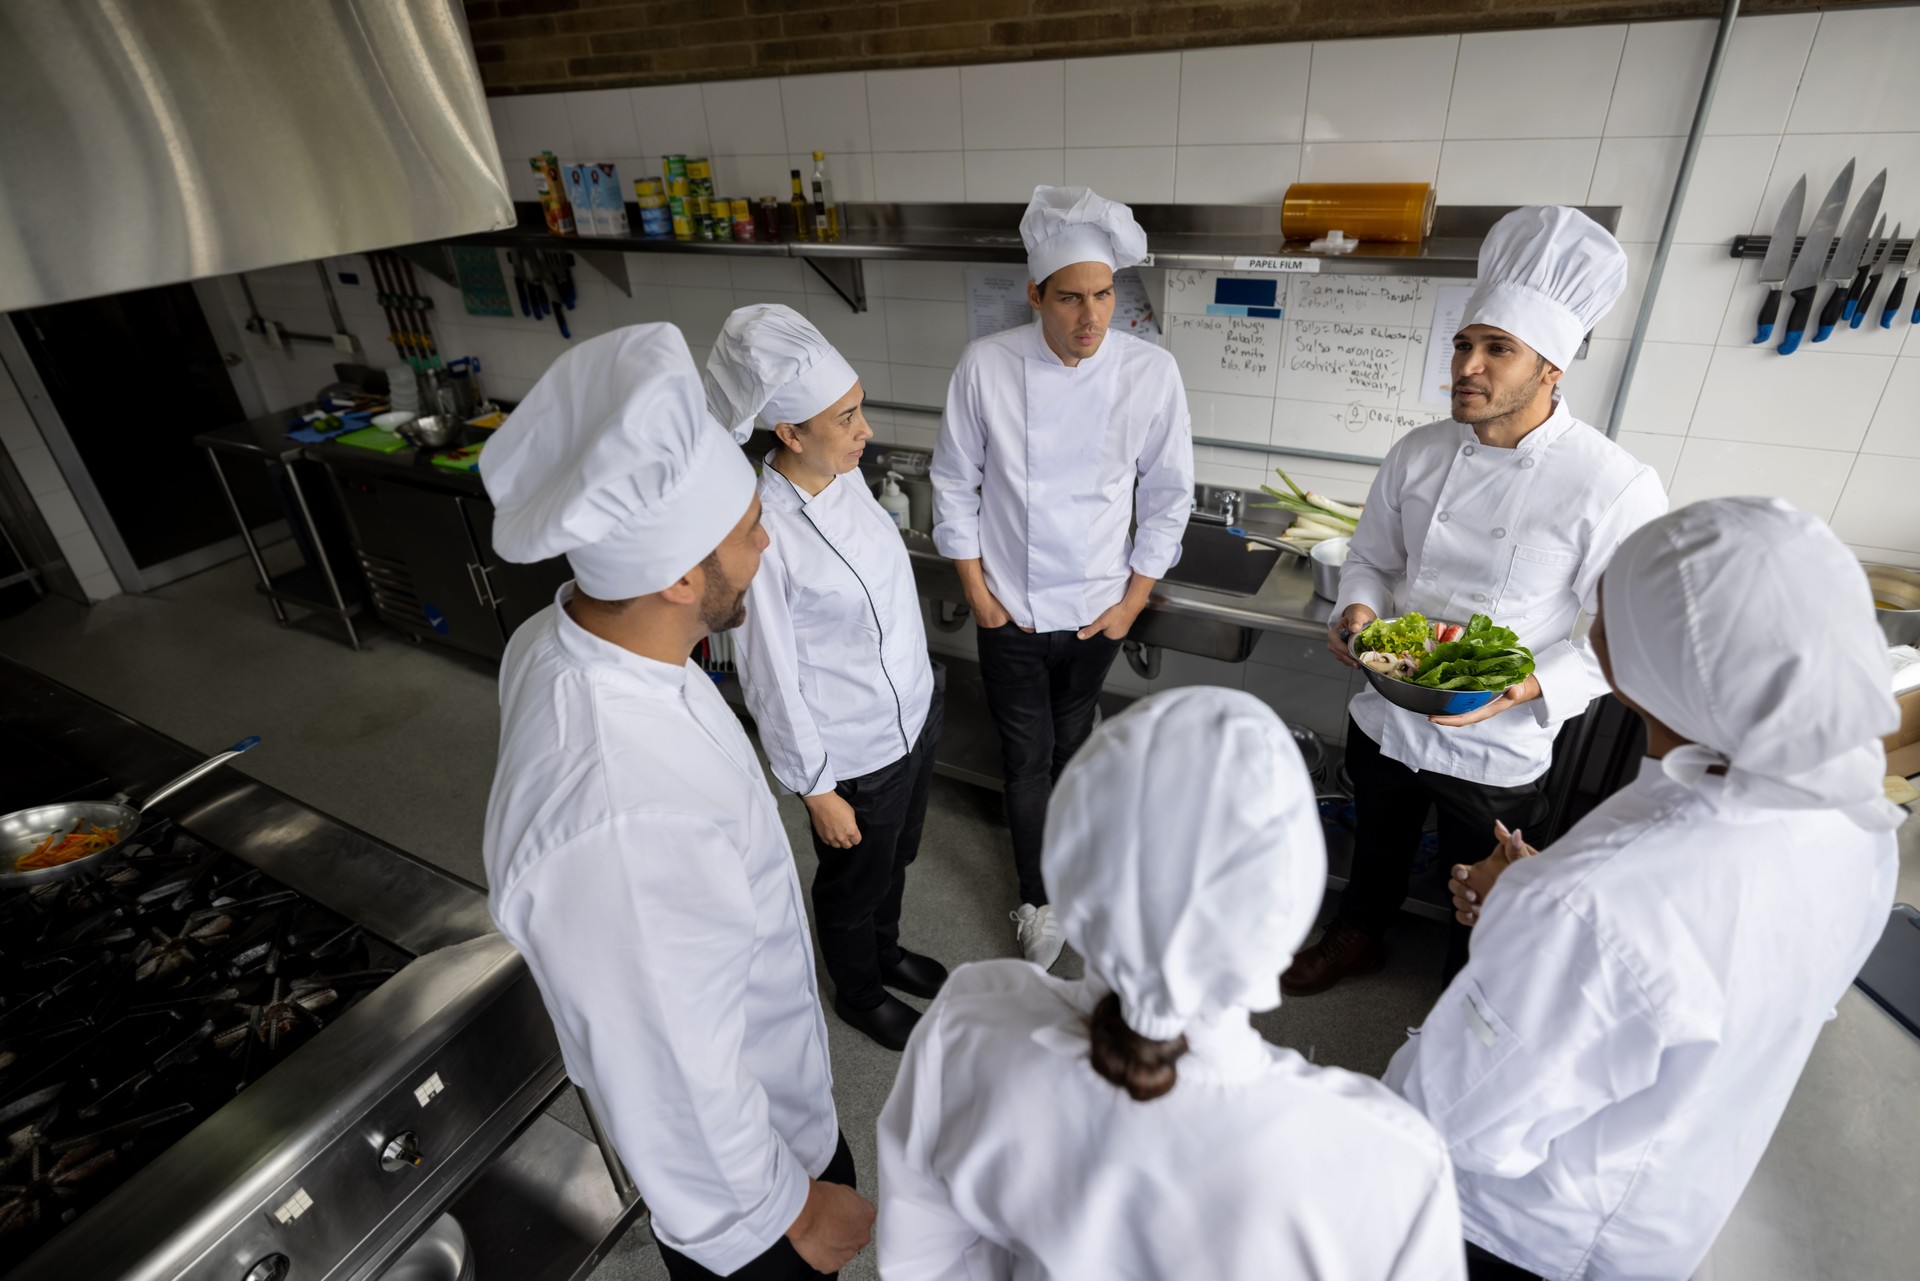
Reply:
x=1756, y=247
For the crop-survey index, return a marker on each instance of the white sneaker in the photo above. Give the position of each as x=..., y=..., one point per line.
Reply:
x=1038, y=934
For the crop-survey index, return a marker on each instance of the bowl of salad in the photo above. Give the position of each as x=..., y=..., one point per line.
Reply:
x=1440, y=668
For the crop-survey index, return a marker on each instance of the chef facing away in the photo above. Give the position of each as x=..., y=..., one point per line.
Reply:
x=634, y=852
x=833, y=655
x=1642, y=995
x=1056, y=436
x=1510, y=509
x=1133, y=1125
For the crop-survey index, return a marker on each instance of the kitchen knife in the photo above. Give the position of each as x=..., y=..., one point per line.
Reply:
x=1873, y=280
x=1804, y=280
x=1865, y=268
x=1900, y=285
x=1779, y=254
x=1845, y=264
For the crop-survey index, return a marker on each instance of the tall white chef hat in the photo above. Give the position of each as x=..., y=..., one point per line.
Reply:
x=1747, y=627
x=1065, y=225
x=1547, y=275
x=1184, y=856
x=770, y=362
x=612, y=460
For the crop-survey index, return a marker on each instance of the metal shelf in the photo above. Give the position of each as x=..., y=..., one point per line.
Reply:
x=1191, y=237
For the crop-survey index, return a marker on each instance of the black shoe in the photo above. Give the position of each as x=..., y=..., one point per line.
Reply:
x=889, y=1023
x=914, y=974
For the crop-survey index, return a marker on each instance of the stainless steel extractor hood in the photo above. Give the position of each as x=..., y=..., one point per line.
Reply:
x=144, y=142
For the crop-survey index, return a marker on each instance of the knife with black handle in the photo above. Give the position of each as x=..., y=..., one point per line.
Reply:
x=1873, y=280
x=1845, y=265
x=1859, y=285
x=1804, y=280
x=1773, y=270
x=1900, y=285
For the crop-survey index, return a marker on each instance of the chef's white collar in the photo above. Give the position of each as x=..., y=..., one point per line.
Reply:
x=779, y=492
x=587, y=650
x=1047, y=353
x=1539, y=438
x=1221, y=1047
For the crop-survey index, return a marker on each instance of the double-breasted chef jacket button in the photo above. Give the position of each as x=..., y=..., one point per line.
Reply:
x=1443, y=518
x=1468, y=450
x=1499, y=531
x=1479, y=598
x=1526, y=462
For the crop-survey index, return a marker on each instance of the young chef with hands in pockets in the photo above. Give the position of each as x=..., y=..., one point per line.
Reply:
x=1055, y=435
x=634, y=853
x=1133, y=1124
x=833, y=655
x=1610, y=1065
x=1511, y=509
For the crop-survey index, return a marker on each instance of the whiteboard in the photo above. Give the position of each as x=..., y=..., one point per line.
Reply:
x=1347, y=361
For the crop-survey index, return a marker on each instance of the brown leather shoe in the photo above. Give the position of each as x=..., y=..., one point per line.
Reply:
x=1343, y=951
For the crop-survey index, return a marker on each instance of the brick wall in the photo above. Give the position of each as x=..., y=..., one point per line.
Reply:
x=531, y=46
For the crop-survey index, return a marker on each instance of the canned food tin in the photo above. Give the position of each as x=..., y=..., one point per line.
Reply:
x=674, y=167
x=703, y=227
x=681, y=219
x=722, y=227
x=743, y=227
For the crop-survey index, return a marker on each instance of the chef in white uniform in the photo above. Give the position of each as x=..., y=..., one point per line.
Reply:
x=1643, y=994
x=634, y=853
x=833, y=655
x=1511, y=508
x=1134, y=1125
x=1057, y=435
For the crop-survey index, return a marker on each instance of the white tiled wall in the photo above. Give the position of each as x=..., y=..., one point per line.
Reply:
x=1585, y=115
x=21, y=441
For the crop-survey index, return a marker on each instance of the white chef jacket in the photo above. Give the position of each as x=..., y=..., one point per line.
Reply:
x=635, y=857
x=833, y=655
x=1003, y=1155
x=1641, y=999
x=1039, y=467
x=1455, y=528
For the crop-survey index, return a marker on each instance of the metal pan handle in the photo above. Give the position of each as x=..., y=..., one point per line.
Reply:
x=211, y=763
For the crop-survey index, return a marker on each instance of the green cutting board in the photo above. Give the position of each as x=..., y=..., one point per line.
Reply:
x=373, y=438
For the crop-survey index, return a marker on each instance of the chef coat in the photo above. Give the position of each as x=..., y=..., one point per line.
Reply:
x=1641, y=998
x=1454, y=528
x=1003, y=1155
x=635, y=857
x=833, y=654
x=1040, y=466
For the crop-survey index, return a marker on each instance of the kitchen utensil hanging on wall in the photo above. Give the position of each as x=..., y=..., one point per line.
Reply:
x=1873, y=279
x=1911, y=261
x=1845, y=268
x=1803, y=282
x=1773, y=271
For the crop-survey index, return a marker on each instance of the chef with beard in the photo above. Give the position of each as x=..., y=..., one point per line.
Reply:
x=634, y=853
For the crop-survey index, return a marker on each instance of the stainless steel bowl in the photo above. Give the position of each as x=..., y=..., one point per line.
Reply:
x=1326, y=574
x=1416, y=698
x=441, y=1254
x=1896, y=601
x=431, y=432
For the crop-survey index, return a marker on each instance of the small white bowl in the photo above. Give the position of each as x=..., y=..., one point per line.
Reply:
x=394, y=421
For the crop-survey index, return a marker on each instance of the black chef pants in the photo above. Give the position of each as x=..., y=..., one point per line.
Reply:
x=857, y=892
x=1482, y=1265
x=781, y=1262
x=1390, y=803
x=1042, y=689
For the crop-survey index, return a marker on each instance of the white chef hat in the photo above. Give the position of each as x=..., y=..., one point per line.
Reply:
x=1065, y=225
x=771, y=362
x=1547, y=275
x=1747, y=627
x=612, y=460
x=1184, y=856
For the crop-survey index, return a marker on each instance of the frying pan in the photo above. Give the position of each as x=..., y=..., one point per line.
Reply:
x=21, y=830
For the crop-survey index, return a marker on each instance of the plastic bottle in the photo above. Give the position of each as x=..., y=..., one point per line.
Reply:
x=894, y=500
x=827, y=229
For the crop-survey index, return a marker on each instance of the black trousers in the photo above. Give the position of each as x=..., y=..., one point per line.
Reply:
x=1485, y=1266
x=1390, y=804
x=857, y=892
x=1042, y=689
x=781, y=1262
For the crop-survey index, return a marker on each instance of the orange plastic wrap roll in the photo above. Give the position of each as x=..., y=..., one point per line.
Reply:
x=1398, y=212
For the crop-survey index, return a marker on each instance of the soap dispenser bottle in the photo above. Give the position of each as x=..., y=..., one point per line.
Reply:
x=894, y=500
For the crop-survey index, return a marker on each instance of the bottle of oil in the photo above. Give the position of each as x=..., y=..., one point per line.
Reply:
x=826, y=213
x=802, y=211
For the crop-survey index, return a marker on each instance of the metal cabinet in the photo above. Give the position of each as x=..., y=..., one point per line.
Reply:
x=518, y=592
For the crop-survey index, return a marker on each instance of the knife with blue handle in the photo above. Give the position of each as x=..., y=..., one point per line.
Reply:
x=1845, y=268
x=1900, y=286
x=1804, y=280
x=1779, y=254
x=1873, y=280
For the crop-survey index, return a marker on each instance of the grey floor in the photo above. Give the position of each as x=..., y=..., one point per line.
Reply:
x=399, y=741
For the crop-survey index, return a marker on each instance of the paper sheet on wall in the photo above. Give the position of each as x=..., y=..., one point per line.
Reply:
x=1436, y=377
x=1132, y=309
x=996, y=300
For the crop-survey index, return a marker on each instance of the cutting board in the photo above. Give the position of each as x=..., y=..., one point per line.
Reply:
x=384, y=442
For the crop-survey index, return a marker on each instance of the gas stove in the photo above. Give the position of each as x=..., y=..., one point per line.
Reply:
x=137, y=1002
x=263, y=1046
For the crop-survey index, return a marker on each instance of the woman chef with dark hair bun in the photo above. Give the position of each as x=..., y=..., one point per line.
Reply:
x=1134, y=1124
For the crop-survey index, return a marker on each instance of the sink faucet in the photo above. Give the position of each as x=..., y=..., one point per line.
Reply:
x=1230, y=507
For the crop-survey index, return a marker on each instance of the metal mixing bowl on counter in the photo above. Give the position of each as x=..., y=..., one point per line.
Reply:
x=1896, y=602
x=431, y=432
x=1418, y=698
